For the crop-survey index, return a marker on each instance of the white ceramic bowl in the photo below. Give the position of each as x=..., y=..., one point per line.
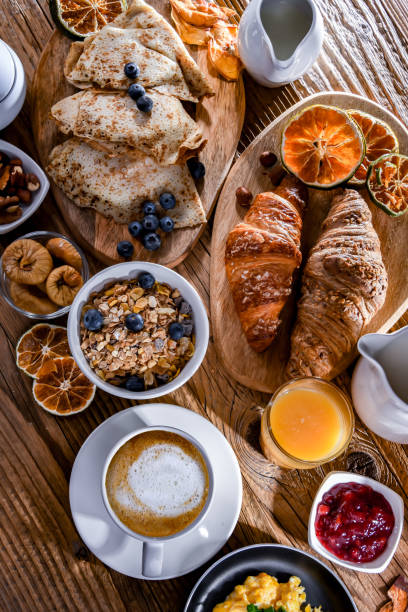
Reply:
x=29, y=167
x=127, y=271
x=378, y=565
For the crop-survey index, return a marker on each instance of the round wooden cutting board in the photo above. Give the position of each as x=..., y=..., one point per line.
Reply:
x=265, y=371
x=220, y=117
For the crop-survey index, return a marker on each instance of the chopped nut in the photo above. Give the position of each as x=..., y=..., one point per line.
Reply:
x=33, y=184
x=24, y=195
x=268, y=159
x=244, y=197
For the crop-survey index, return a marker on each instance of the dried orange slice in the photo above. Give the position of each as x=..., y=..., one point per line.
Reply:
x=379, y=139
x=40, y=344
x=323, y=146
x=387, y=183
x=81, y=18
x=61, y=388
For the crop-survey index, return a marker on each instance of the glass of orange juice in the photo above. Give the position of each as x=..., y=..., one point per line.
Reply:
x=308, y=422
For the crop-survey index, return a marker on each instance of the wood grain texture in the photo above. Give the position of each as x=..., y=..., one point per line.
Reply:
x=266, y=371
x=366, y=52
x=220, y=118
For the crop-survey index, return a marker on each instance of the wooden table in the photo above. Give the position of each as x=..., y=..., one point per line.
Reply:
x=43, y=563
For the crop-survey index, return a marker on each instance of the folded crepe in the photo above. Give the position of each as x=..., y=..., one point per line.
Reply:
x=112, y=121
x=117, y=186
x=143, y=36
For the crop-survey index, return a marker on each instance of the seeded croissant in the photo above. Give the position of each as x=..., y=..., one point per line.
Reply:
x=261, y=254
x=344, y=285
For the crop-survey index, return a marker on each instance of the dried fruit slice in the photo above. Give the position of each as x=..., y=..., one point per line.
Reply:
x=81, y=18
x=323, y=146
x=387, y=183
x=223, y=52
x=201, y=13
x=63, y=284
x=27, y=262
x=61, y=388
x=190, y=34
x=379, y=139
x=40, y=344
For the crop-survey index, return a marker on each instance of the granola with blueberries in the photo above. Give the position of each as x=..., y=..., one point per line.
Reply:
x=137, y=333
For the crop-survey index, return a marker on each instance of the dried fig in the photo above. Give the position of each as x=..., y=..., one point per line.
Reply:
x=31, y=299
x=63, y=284
x=64, y=250
x=27, y=262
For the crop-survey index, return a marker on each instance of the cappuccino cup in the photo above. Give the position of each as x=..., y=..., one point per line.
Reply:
x=157, y=485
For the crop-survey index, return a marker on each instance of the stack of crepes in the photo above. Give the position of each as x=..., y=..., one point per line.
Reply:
x=118, y=156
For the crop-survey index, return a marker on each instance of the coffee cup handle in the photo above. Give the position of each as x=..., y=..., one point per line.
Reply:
x=152, y=560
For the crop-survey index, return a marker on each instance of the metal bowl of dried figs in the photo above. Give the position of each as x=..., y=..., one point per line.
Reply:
x=41, y=273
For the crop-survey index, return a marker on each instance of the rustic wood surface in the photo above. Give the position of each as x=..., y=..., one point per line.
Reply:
x=266, y=371
x=44, y=565
x=220, y=118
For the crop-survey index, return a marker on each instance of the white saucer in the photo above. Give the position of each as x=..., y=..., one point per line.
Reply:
x=124, y=553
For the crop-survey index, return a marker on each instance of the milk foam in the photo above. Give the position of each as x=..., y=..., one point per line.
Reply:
x=164, y=480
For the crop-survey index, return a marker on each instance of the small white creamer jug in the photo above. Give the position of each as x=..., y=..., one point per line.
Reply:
x=379, y=385
x=279, y=40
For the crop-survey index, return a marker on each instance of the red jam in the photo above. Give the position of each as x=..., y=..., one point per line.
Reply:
x=354, y=522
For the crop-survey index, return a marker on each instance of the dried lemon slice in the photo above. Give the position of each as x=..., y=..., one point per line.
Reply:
x=61, y=388
x=379, y=138
x=40, y=344
x=323, y=146
x=387, y=183
x=81, y=18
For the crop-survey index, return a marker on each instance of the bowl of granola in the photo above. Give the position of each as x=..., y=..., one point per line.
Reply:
x=138, y=330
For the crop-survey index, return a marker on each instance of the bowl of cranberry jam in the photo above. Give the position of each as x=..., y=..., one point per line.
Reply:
x=356, y=521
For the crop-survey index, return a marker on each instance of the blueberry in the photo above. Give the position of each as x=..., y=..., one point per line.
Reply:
x=135, y=228
x=146, y=280
x=125, y=248
x=135, y=383
x=136, y=91
x=197, y=169
x=167, y=224
x=93, y=320
x=149, y=208
x=167, y=201
x=150, y=223
x=132, y=70
x=162, y=379
x=134, y=322
x=187, y=328
x=144, y=104
x=176, y=331
x=151, y=241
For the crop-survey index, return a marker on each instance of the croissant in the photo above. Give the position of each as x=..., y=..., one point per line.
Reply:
x=344, y=284
x=261, y=255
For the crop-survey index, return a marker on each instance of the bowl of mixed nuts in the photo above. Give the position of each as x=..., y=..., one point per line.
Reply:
x=40, y=274
x=23, y=187
x=138, y=330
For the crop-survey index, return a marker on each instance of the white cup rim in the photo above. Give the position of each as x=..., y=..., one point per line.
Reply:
x=204, y=511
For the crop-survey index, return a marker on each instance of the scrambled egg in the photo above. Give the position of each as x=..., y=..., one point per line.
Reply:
x=264, y=591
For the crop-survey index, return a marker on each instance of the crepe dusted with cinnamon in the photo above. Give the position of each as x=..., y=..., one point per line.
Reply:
x=117, y=186
x=143, y=36
x=167, y=134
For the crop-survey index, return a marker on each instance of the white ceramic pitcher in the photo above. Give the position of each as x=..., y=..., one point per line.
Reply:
x=279, y=40
x=379, y=385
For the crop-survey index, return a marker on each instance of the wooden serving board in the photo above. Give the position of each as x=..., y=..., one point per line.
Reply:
x=220, y=117
x=265, y=371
